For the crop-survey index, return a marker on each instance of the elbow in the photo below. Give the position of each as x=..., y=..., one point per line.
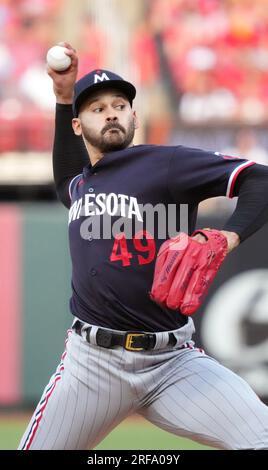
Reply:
x=62, y=192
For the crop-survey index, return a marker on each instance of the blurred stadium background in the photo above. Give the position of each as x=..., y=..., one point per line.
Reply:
x=201, y=69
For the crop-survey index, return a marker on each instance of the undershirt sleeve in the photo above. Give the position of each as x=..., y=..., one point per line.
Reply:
x=69, y=153
x=251, y=212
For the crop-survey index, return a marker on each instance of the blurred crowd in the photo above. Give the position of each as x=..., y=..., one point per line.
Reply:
x=196, y=62
x=217, y=54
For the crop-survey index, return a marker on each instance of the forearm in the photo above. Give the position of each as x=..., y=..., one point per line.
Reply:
x=251, y=212
x=69, y=152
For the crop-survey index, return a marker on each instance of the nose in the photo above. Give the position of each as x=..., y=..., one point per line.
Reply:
x=111, y=118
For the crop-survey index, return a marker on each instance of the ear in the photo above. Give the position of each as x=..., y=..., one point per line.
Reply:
x=76, y=124
x=136, y=121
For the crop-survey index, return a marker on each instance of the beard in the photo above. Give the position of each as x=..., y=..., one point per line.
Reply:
x=113, y=136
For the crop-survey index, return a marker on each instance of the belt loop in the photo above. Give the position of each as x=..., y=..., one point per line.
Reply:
x=92, y=335
x=184, y=333
x=161, y=340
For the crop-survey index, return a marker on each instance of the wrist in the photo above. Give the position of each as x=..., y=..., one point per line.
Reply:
x=233, y=239
x=64, y=96
x=63, y=101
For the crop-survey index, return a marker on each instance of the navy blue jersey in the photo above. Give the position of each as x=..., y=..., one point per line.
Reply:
x=112, y=276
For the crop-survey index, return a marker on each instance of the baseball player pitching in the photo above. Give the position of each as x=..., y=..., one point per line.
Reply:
x=134, y=290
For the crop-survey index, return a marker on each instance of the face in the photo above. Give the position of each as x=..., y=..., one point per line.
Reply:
x=106, y=121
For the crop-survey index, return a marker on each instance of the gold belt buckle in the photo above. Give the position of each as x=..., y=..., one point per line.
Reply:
x=129, y=341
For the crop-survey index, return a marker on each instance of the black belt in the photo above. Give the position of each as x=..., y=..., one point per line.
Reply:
x=131, y=340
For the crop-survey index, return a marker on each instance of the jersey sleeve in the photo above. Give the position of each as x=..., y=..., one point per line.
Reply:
x=195, y=175
x=73, y=185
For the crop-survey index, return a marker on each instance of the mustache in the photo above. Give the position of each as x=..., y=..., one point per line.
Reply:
x=111, y=125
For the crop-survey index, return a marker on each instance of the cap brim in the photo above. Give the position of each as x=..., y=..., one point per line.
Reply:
x=126, y=87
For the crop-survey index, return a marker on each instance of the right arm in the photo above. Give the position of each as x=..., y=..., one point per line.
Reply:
x=69, y=152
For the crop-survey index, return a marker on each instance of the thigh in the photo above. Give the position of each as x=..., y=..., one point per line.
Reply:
x=207, y=402
x=83, y=401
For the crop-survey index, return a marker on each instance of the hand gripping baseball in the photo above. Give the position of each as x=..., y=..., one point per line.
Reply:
x=185, y=268
x=63, y=81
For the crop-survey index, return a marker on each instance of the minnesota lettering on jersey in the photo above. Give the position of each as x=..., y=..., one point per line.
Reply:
x=111, y=204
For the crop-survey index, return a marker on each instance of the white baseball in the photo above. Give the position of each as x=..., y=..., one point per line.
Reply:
x=57, y=59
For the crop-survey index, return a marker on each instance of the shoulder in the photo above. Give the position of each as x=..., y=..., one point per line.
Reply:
x=176, y=154
x=155, y=150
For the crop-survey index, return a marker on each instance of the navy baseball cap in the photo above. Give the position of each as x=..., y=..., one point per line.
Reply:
x=99, y=80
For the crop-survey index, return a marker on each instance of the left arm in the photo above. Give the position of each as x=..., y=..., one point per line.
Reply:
x=183, y=274
x=251, y=212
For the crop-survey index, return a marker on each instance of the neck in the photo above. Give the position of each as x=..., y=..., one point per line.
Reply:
x=95, y=155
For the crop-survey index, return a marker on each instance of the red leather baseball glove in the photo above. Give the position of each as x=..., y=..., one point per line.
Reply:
x=185, y=268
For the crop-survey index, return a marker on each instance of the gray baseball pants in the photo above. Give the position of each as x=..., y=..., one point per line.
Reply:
x=179, y=389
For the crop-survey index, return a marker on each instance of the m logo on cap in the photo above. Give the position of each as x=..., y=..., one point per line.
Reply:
x=100, y=78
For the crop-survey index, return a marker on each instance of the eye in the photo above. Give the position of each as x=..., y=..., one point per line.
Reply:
x=120, y=106
x=97, y=110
